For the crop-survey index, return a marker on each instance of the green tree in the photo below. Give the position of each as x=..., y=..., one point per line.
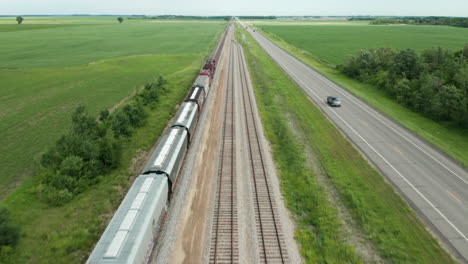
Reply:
x=84, y=124
x=406, y=64
x=451, y=102
x=19, y=19
x=104, y=115
x=120, y=19
x=120, y=124
x=9, y=234
x=110, y=150
x=403, y=92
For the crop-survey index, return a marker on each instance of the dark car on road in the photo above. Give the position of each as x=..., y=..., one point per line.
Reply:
x=333, y=101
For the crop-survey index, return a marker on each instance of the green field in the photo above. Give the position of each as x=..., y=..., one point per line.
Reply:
x=100, y=66
x=333, y=42
x=46, y=70
x=68, y=233
x=446, y=136
x=306, y=147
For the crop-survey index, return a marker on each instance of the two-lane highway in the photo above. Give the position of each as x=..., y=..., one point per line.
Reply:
x=433, y=184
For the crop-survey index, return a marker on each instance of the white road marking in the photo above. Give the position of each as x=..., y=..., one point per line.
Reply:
x=385, y=160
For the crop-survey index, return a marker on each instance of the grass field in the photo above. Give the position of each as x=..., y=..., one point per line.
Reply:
x=40, y=92
x=67, y=234
x=46, y=70
x=70, y=45
x=333, y=43
x=294, y=125
x=445, y=136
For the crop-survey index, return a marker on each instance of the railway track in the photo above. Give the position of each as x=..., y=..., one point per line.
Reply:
x=224, y=245
x=272, y=247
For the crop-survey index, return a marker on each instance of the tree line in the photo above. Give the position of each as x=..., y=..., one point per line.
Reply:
x=92, y=147
x=434, y=83
x=447, y=21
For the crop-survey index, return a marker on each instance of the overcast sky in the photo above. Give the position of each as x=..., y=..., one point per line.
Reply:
x=238, y=7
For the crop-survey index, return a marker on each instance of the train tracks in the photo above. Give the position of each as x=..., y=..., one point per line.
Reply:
x=224, y=246
x=271, y=247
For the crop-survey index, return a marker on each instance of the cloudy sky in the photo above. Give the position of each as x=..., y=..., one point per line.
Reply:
x=238, y=7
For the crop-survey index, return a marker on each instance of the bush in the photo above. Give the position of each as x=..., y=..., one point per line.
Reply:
x=56, y=197
x=91, y=147
x=9, y=234
x=152, y=91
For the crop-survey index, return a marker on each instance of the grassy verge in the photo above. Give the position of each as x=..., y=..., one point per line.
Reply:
x=379, y=212
x=445, y=136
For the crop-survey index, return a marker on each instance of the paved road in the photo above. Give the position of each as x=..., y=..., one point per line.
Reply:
x=435, y=186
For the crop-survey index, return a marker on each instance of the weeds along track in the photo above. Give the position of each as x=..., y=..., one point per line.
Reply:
x=272, y=248
x=224, y=245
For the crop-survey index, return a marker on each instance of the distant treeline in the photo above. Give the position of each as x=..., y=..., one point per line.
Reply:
x=177, y=17
x=257, y=17
x=199, y=17
x=361, y=18
x=448, y=21
x=434, y=83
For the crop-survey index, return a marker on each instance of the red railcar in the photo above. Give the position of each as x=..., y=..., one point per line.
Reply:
x=209, y=68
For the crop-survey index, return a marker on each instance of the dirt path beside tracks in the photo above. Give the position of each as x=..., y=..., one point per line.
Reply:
x=191, y=235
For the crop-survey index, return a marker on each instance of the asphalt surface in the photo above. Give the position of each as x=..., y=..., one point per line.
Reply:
x=435, y=186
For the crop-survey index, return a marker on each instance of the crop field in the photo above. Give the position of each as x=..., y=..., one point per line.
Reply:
x=47, y=68
x=332, y=41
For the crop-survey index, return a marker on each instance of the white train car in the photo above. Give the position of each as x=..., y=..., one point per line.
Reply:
x=187, y=118
x=130, y=236
x=197, y=95
x=169, y=154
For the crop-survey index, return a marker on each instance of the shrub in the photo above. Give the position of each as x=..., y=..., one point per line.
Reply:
x=9, y=234
x=91, y=148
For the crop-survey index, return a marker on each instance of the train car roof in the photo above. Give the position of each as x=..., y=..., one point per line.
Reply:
x=117, y=244
x=163, y=156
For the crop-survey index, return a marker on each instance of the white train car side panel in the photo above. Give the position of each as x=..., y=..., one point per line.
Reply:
x=197, y=95
x=169, y=154
x=130, y=236
x=187, y=117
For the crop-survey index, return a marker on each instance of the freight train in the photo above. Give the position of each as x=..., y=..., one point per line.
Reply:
x=132, y=232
